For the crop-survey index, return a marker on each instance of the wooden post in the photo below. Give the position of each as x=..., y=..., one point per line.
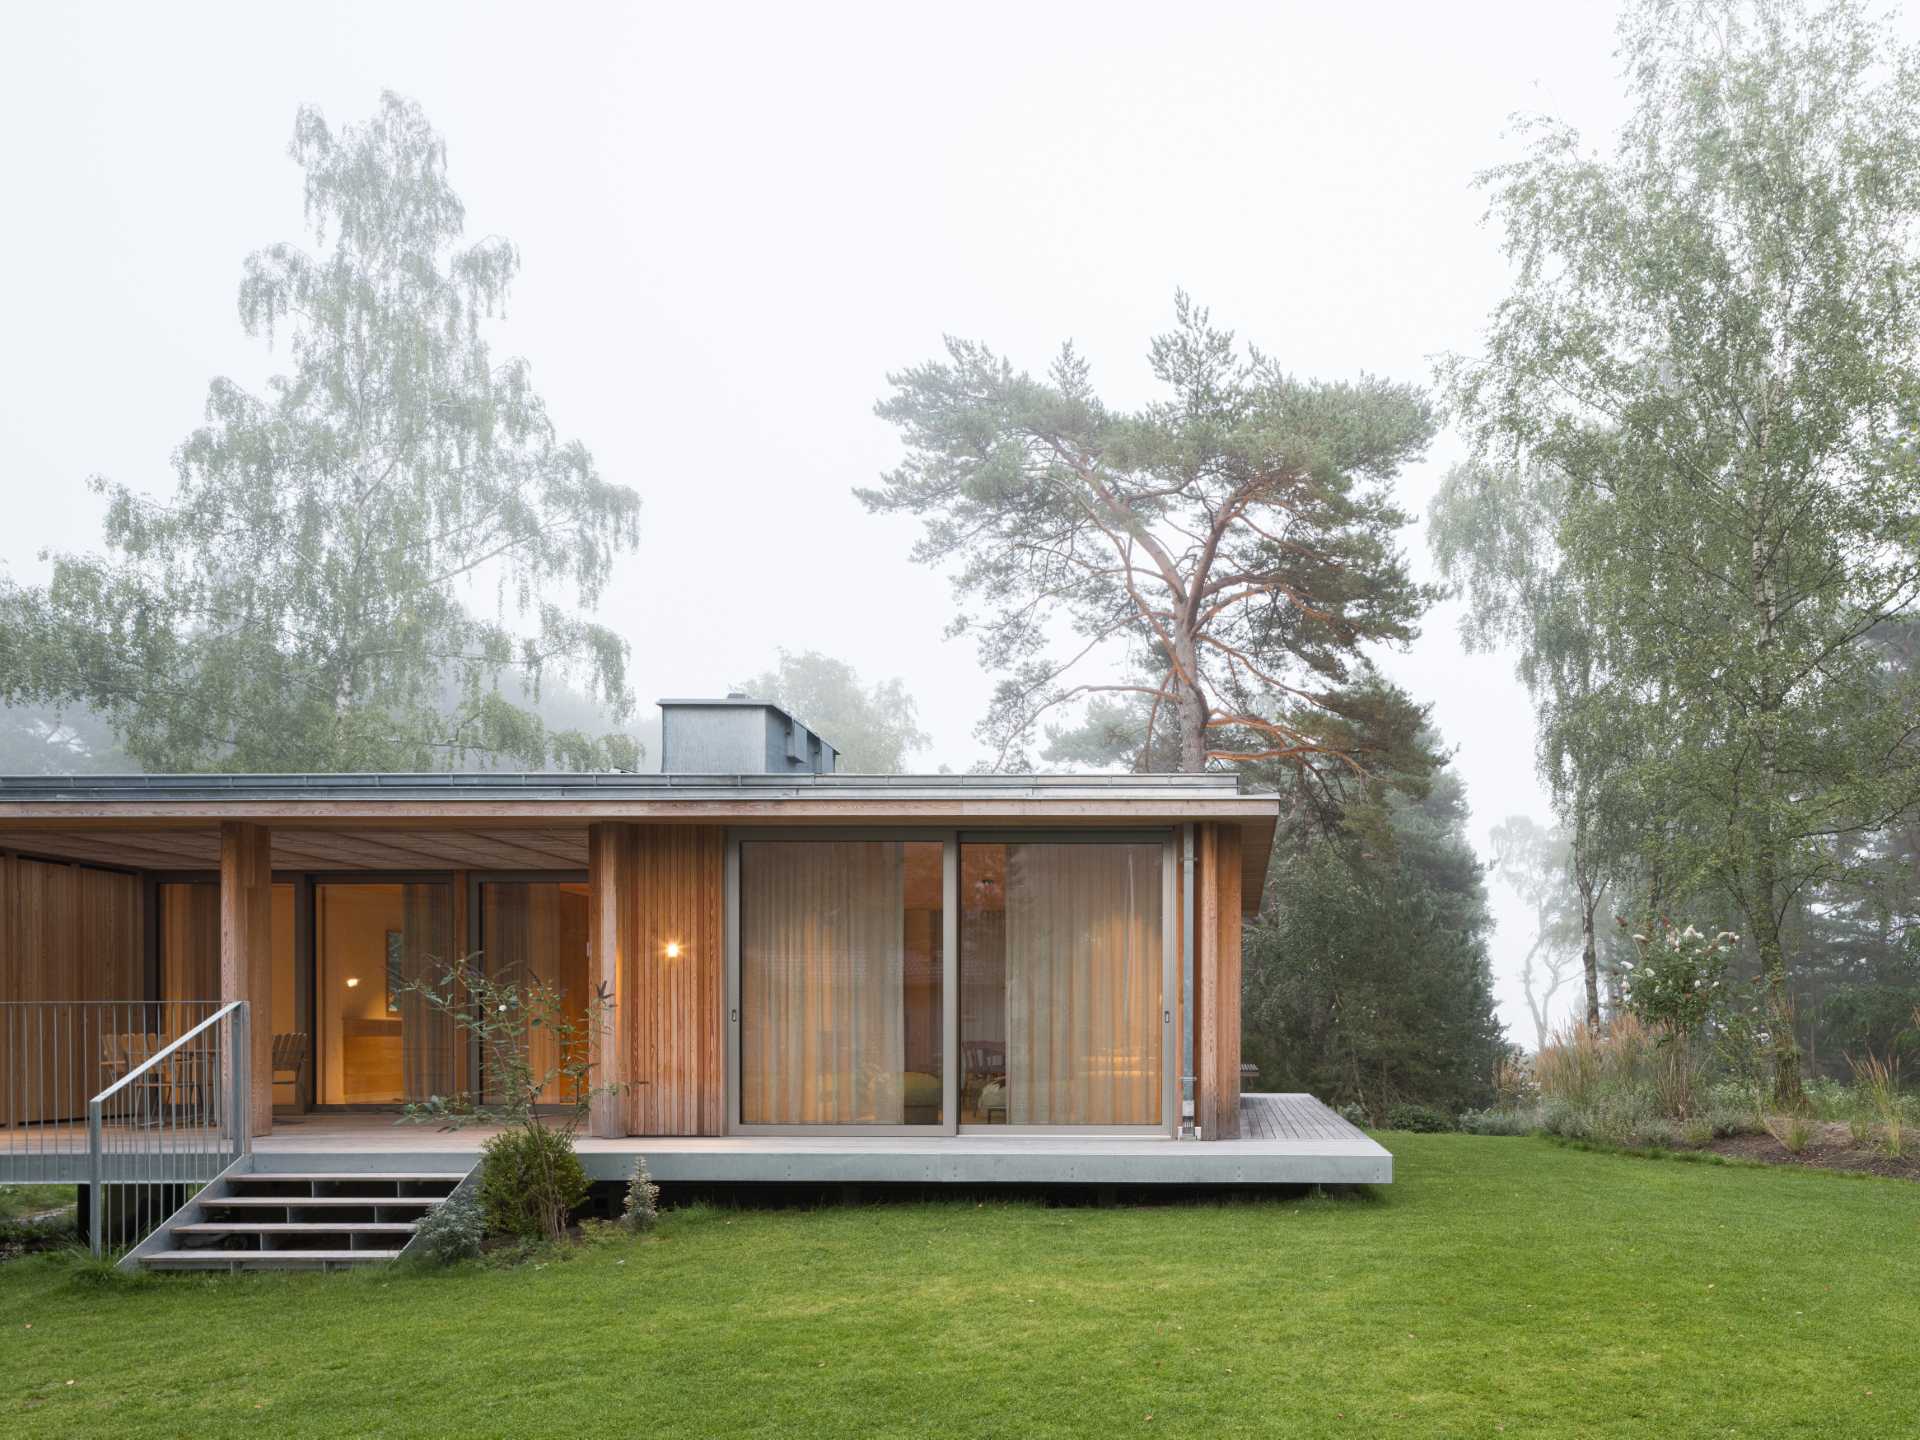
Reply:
x=246, y=948
x=611, y=862
x=1217, y=1109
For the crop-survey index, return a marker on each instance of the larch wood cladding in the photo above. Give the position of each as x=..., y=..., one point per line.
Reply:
x=1217, y=979
x=67, y=932
x=652, y=887
x=246, y=949
x=189, y=940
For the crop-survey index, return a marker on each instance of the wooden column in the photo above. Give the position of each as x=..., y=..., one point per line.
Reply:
x=246, y=947
x=611, y=940
x=1217, y=978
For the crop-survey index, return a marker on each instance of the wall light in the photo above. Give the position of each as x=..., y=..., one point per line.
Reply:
x=673, y=949
x=352, y=980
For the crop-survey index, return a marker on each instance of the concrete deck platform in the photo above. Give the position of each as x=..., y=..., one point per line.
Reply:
x=1285, y=1140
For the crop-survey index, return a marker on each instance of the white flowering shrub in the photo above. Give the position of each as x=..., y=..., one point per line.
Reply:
x=1680, y=978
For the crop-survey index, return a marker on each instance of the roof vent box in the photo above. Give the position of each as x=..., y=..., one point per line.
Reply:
x=738, y=736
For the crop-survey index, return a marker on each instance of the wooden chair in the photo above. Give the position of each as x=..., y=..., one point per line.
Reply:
x=290, y=1058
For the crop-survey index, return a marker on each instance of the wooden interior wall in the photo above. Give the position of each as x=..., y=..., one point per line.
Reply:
x=1217, y=981
x=67, y=932
x=189, y=940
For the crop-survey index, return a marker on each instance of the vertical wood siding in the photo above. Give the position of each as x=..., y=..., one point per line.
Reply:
x=67, y=932
x=1217, y=979
x=651, y=886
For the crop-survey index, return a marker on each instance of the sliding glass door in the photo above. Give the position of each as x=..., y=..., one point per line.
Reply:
x=842, y=1015
x=944, y=982
x=1061, y=978
x=381, y=1042
x=533, y=934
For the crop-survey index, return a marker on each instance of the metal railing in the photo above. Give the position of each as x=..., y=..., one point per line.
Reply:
x=55, y=1056
x=180, y=1116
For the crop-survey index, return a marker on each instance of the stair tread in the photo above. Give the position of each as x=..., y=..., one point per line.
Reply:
x=281, y=1202
x=295, y=1227
x=254, y=1177
x=268, y=1257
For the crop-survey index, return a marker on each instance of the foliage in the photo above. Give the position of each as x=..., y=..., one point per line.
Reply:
x=531, y=1180
x=1879, y=1083
x=1233, y=543
x=451, y=1231
x=875, y=728
x=1367, y=978
x=1680, y=978
x=1794, y=1131
x=1610, y=1084
x=299, y=604
x=1707, y=355
x=641, y=1209
x=1501, y=1120
x=1418, y=1119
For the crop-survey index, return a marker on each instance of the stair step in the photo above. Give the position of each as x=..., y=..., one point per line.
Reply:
x=261, y=1259
x=316, y=1202
x=296, y=1227
x=385, y=1177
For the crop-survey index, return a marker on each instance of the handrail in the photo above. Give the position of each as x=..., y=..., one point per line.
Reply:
x=218, y=1110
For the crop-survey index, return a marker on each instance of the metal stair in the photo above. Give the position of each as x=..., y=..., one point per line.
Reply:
x=252, y=1219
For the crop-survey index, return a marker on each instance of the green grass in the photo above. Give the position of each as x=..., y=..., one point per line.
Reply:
x=18, y=1200
x=1502, y=1286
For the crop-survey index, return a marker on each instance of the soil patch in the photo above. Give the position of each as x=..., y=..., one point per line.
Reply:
x=1831, y=1148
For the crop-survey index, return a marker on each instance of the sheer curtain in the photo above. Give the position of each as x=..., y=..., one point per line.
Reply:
x=425, y=949
x=537, y=931
x=1083, y=982
x=822, y=983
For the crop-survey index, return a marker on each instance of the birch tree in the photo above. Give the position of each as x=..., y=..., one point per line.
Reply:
x=1711, y=340
x=306, y=598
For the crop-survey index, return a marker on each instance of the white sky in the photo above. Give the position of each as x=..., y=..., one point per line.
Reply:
x=734, y=220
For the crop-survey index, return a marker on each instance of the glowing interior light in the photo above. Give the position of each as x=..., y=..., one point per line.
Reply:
x=352, y=980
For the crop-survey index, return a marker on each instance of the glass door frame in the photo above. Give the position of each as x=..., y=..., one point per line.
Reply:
x=477, y=945
x=306, y=910
x=951, y=839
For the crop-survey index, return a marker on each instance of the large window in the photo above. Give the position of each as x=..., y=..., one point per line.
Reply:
x=534, y=933
x=381, y=1042
x=1061, y=971
x=841, y=1005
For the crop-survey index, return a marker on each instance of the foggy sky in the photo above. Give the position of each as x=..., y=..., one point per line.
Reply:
x=734, y=223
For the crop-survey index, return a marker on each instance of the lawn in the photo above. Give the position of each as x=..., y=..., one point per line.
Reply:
x=1501, y=1286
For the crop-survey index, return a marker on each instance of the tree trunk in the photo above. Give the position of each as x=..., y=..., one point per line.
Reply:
x=1763, y=907
x=1190, y=704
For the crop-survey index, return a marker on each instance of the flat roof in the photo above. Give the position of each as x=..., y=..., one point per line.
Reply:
x=503, y=820
x=596, y=785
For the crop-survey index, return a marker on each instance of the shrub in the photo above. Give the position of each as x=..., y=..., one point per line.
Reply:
x=1794, y=1132
x=530, y=1182
x=450, y=1232
x=1879, y=1083
x=1353, y=1113
x=1501, y=1122
x=1420, y=1119
x=642, y=1205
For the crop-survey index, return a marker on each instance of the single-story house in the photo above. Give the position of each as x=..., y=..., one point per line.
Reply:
x=811, y=974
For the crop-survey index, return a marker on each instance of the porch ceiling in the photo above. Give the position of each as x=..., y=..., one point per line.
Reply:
x=386, y=848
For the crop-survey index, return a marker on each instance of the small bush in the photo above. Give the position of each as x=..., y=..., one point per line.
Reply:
x=450, y=1232
x=1354, y=1114
x=642, y=1207
x=1879, y=1084
x=1524, y=1121
x=530, y=1182
x=1420, y=1119
x=1794, y=1132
